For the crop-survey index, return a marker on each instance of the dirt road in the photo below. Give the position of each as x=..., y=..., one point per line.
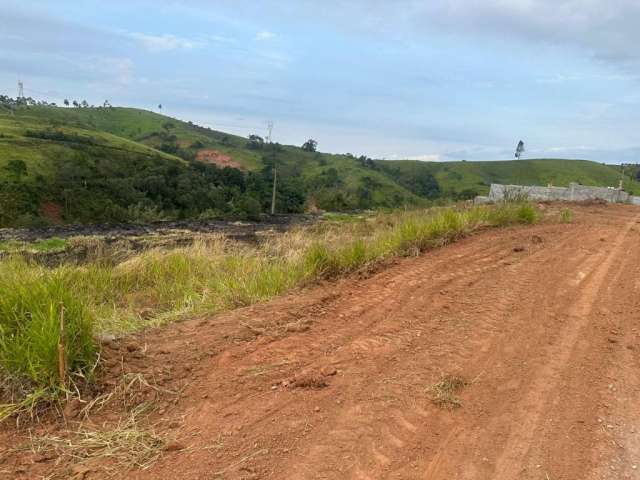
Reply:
x=542, y=322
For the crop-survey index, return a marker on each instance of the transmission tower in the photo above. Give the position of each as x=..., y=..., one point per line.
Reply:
x=269, y=130
x=20, y=89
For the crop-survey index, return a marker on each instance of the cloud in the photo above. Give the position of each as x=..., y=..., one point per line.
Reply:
x=162, y=43
x=264, y=35
x=429, y=157
x=605, y=30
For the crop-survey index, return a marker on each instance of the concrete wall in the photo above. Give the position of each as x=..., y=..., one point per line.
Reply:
x=573, y=193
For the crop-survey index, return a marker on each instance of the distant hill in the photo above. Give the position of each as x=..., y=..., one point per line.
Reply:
x=122, y=164
x=466, y=179
x=86, y=165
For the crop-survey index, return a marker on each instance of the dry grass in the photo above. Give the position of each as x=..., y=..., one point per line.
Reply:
x=443, y=394
x=126, y=395
x=128, y=444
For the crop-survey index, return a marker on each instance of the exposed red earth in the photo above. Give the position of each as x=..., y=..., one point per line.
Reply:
x=335, y=381
x=209, y=155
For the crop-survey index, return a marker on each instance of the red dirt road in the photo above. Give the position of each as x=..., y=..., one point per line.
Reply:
x=543, y=322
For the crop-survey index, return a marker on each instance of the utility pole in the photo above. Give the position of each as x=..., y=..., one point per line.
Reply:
x=275, y=168
x=273, y=194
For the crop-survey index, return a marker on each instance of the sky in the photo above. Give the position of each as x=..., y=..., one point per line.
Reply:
x=429, y=80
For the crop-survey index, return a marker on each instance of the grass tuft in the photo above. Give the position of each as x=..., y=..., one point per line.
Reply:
x=566, y=216
x=443, y=393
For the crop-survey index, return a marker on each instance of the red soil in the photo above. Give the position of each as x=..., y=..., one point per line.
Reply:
x=220, y=159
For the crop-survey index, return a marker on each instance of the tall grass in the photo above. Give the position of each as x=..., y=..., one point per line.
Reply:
x=38, y=312
x=159, y=286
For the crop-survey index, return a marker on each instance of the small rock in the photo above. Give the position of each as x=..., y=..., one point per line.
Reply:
x=317, y=409
x=42, y=457
x=132, y=347
x=328, y=371
x=519, y=248
x=80, y=471
x=72, y=408
x=174, y=447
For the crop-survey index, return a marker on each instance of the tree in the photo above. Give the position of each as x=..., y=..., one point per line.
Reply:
x=256, y=142
x=66, y=102
x=16, y=169
x=310, y=145
x=160, y=106
x=75, y=104
x=519, y=149
x=84, y=104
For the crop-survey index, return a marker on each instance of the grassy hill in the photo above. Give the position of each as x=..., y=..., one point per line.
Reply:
x=83, y=165
x=467, y=179
x=123, y=164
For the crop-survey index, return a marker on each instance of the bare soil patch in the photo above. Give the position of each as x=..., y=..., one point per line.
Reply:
x=209, y=155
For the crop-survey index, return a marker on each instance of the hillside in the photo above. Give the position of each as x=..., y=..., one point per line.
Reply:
x=467, y=179
x=86, y=165
x=60, y=165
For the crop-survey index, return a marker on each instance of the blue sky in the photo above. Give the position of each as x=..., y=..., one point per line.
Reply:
x=431, y=79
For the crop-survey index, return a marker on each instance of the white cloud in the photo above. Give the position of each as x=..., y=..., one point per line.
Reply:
x=264, y=35
x=163, y=43
x=429, y=157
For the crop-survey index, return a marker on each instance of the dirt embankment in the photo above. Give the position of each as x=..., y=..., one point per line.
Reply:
x=540, y=326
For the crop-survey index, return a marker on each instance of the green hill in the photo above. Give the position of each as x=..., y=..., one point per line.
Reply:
x=65, y=165
x=466, y=179
x=123, y=164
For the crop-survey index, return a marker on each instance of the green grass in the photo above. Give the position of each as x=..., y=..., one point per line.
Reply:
x=456, y=177
x=161, y=286
x=34, y=304
x=566, y=216
x=47, y=245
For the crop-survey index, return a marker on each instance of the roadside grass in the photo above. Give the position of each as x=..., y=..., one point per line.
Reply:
x=160, y=286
